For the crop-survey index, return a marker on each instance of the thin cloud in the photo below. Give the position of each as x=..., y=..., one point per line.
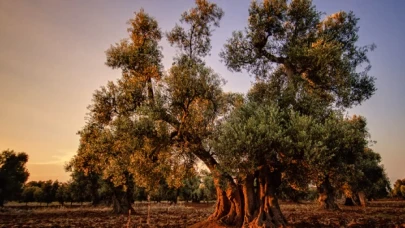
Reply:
x=60, y=158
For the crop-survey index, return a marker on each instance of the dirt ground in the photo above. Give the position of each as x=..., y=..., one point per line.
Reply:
x=377, y=214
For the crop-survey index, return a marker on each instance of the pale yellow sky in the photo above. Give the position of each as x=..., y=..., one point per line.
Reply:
x=52, y=59
x=48, y=71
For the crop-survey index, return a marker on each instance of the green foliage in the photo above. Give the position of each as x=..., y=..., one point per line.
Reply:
x=48, y=192
x=80, y=187
x=142, y=130
x=306, y=69
x=39, y=195
x=208, y=186
x=249, y=136
x=341, y=142
x=162, y=191
x=140, y=194
x=314, y=55
x=304, y=149
x=28, y=194
x=189, y=191
x=41, y=191
x=13, y=174
x=370, y=176
x=62, y=194
x=257, y=135
x=198, y=188
x=195, y=42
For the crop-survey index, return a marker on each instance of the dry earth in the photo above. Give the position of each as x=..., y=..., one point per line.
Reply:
x=377, y=214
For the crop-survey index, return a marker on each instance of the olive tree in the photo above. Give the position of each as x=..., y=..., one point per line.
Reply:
x=151, y=124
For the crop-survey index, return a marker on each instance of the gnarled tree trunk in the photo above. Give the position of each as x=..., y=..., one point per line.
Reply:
x=327, y=198
x=251, y=199
x=244, y=204
x=122, y=203
x=122, y=199
x=362, y=198
x=268, y=212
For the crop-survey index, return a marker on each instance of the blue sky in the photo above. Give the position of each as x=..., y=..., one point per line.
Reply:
x=52, y=59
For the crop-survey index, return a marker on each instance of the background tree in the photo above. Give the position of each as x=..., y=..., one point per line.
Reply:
x=48, y=191
x=368, y=180
x=343, y=141
x=140, y=194
x=207, y=185
x=13, y=174
x=34, y=184
x=39, y=195
x=190, y=185
x=62, y=194
x=399, y=189
x=28, y=194
x=89, y=185
x=198, y=187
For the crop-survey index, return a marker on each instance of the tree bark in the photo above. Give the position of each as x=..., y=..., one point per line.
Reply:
x=362, y=198
x=121, y=205
x=269, y=213
x=244, y=204
x=235, y=213
x=251, y=199
x=327, y=196
x=122, y=202
x=150, y=90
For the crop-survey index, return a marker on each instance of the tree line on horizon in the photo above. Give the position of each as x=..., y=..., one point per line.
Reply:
x=84, y=188
x=287, y=133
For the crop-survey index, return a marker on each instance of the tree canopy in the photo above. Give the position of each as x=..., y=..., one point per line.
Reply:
x=150, y=127
x=13, y=174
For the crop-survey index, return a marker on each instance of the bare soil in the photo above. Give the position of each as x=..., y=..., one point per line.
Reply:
x=376, y=214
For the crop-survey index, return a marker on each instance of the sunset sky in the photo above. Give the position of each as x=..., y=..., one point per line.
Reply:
x=52, y=59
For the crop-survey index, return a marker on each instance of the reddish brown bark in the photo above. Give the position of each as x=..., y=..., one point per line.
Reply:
x=241, y=203
x=269, y=212
x=362, y=198
x=251, y=199
x=246, y=207
x=222, y=205
x=121, y=204
x=327, y=198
